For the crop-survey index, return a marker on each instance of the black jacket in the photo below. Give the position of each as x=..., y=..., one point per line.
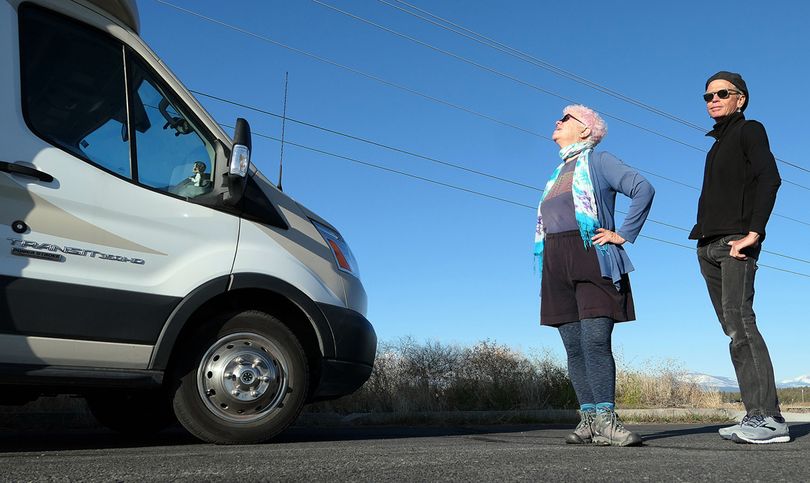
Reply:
x=740, y=181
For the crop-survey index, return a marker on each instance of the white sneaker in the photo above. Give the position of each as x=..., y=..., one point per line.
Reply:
x=726, y=432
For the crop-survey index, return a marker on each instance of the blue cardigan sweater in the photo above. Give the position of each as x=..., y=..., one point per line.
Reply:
x=610, y=176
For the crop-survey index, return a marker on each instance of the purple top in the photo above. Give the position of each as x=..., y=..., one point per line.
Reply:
x=558, y=206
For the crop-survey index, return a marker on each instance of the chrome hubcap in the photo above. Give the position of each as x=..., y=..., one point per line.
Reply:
x=243, y=377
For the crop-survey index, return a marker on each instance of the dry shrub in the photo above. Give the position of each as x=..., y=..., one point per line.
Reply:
x=661, y=385
x=495, y=377
x=416, y=377
x=412, y=377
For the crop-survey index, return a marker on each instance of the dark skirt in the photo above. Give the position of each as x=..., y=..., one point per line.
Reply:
x=572, y=286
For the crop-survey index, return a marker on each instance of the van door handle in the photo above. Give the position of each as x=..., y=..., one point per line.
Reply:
x=20, y=169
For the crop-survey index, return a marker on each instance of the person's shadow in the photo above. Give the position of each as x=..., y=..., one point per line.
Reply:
x=797, y=431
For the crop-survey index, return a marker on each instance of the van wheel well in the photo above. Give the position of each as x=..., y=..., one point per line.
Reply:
x=270, y=303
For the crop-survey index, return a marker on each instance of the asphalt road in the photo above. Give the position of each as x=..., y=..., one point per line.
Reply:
x=492, y=453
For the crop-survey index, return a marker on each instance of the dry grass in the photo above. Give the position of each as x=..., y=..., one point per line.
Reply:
x=661, y=385
x=411, y=377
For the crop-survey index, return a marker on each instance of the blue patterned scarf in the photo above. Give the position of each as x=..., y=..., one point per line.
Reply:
x=584, y=199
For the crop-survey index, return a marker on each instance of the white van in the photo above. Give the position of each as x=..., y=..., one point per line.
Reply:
x=146, y=265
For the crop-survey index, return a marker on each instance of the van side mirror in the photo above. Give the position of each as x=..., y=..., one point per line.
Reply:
x=240, y=156
x=239, y=163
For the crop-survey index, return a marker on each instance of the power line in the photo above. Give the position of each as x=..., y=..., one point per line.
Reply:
x=502, y=74
x=399, y=86
x=426, y=96
x=758, y=264
x=497, y=198
x=482, y=39
x=355, y=71
x=391, y=170
x=526, y=57
x=428, y=158
x=373, y=143
x=522, y=82
x=516, y=79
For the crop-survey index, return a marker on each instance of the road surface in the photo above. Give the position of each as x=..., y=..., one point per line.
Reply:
x=489, y=453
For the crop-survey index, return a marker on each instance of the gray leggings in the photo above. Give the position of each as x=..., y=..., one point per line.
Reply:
x=590, y=359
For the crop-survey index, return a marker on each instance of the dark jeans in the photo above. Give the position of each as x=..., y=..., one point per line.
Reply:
x=591, y=367
x=731, y=288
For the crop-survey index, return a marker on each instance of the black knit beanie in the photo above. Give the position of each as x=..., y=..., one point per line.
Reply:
x=735, y=79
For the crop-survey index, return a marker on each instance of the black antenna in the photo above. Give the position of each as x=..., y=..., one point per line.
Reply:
x=283, y=125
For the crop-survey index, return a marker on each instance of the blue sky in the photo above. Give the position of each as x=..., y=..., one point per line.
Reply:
x=447, y=265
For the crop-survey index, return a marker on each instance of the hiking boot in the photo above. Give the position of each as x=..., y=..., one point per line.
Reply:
x=583, y=434
x=762, y=430
x=608, y=430
x=726, y=432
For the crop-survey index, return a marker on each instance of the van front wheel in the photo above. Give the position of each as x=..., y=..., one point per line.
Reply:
x=243, y=379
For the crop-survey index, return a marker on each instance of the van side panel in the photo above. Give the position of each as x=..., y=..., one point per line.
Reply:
x=54, y=309
x=99, y=256
x=46, y=351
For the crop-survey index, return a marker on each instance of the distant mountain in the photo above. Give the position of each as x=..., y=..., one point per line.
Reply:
x=801, y=381
x=717, y=383
x=729, y=384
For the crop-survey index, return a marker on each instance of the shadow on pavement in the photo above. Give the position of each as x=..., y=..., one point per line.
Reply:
x=20, y=441
x=310, y=434
x=683, y=432
x=797, y=430
x=17, y=441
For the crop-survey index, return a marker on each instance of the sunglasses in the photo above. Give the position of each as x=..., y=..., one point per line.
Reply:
x=569, y=116
x=721, y=94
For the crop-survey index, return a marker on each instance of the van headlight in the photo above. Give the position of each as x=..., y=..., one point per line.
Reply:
x=340, y=249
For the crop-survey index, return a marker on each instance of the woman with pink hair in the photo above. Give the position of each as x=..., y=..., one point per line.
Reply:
x=585, y=288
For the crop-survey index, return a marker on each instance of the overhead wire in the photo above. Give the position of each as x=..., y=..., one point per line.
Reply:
x=526, y=57
x=521, y=81
x=385, y=168
x=354, y=71
x=499, y=73
x=368, y=141
x=272, y=41
x=422, y=156
x=389, y=83
x=492, y=197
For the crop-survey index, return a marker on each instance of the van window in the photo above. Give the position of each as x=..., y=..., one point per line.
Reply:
x=172, y=155
x=73, y=88
x=74, y=96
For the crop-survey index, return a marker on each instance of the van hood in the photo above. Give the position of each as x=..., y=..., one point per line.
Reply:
x=279, y=197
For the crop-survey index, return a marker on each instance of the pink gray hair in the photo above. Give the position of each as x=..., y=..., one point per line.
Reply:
x=591, y=119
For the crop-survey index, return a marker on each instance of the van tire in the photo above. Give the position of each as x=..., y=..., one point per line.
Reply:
x=243, y=378
x=132, y=413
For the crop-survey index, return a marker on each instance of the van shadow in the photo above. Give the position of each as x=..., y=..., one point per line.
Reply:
x=66, y=439
x=24, y=441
